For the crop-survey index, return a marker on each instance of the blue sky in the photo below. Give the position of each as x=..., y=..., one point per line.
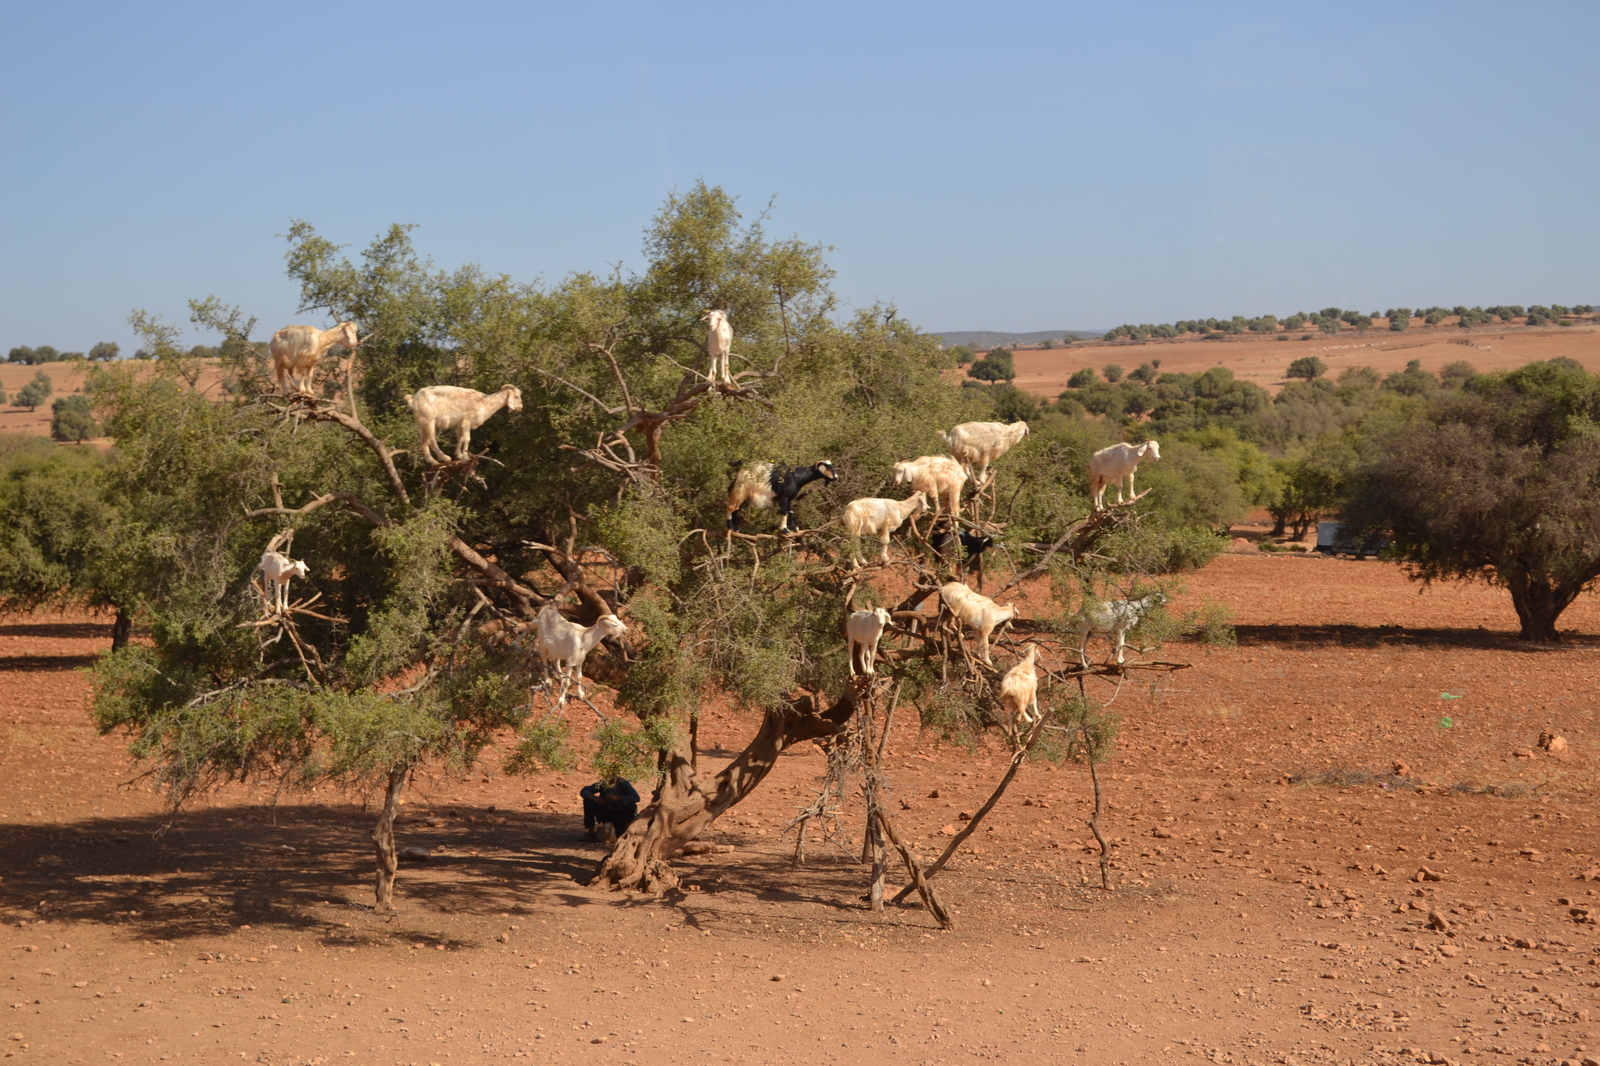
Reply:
x=1003, y=166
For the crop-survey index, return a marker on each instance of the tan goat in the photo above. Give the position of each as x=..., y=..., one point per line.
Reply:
x=296, y=349
x=976, y=610
x=1019, y=691
x=463, y=410
x=981, y=443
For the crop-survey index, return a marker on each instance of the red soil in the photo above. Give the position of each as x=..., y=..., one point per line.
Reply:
x=1253, y=920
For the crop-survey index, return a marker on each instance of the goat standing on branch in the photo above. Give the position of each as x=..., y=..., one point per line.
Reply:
x=1019, y=692
x=296, y=349
x=719, y=347
x=879, y=518
x=567, y=644
x=1116, y=463
x=276, y=569
x=767, y=485
x=939, y=476
x=981, y=443
x=1113, y=619
x=978, y=611
x=440, y=407
x=863, y=629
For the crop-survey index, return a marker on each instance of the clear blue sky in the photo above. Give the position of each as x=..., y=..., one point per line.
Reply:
x=984, y=166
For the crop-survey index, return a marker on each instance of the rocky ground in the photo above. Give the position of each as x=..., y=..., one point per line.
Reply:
x=1338, y=842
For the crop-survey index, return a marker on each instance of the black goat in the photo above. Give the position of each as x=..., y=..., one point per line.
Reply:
x=944, y=539
x=768, y=484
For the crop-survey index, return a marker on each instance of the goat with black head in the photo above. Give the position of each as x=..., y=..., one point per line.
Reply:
x=772, y=485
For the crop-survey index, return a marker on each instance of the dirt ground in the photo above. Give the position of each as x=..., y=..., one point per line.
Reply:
x=1267, y=904
x=1263, y=359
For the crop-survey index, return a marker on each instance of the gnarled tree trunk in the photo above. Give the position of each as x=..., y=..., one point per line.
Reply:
x=121, y=629
x=1539, y=605
x=686, y=806
x=383, y=835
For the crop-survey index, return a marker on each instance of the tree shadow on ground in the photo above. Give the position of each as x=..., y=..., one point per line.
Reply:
x=309, y=868
x=1404, y=636
x=59, y=630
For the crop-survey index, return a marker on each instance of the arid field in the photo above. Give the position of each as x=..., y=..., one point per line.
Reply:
x=1338, y=842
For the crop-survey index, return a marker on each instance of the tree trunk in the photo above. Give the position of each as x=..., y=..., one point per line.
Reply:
x=1539, y=606
x=121, y=629
x=685, y=807
x=383, y=836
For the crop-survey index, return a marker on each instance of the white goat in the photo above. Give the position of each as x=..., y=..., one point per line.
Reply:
x=296, y=349
x=879, y=517
x=864, y=629
x=940, y=476
x=976, y=610
x=1112, y=619
x=1113, y=464
x=567, y=644
x=719, y=346
x=276, y=569
x=440, y=407
x=1019, y=691
x=981, y=443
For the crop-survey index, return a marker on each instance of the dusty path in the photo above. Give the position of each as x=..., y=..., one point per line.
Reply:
x=1254, y=920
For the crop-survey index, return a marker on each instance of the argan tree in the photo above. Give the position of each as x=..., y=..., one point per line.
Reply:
x=410, y=640
x=1499, y=482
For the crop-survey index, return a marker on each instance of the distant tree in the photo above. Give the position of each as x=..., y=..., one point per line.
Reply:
x=1012, y=404
x=31, y=395
x=1331, y=312
x=1308, y=367
x=1498, y=483
x=1399, y=318
x=71, y=357
x=1295, y=321
x=22, y=354
x=41, y=379
x=1113, y=372
x=104, y=352
x=1435, y=316
x=1048, y=343
x=1082, y=379
x=1360, y=377
x=2, y=396
x=1145, y=373
x=997, y=365
x=1412, y=381
x=1456, y=374
x=141, y=353
x=1329, y=324
x=45, y=354
x=1264, y=324
x=72, y=418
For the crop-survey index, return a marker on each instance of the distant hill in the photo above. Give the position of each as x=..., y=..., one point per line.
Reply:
x=989, y=338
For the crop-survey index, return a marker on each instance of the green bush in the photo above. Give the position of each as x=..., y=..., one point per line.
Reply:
x=72, y=418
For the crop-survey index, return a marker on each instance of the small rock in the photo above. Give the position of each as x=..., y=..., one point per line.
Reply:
x=965, y=816
x=1401, y=768
x=504, y=938
x=415, y=854
x=1552, y=743
x=1323, y=903
x=599, y=1040
x=949, y=830
x=1523, y=753
x=1590, y=1060
x=1425, y=874
x=1438, y=921
x=1531, y=853
x=1523, y=942
x=1449, y=951
x=934, y=794
x=776, y=977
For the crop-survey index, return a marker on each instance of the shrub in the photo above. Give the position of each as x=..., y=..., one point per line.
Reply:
x=995, y=366
x=71, y=418
x=1082, y=379
x=1308, y=367
x=1113, y=372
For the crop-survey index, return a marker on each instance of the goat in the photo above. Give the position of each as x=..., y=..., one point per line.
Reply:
x=976, y=610
x=1019, y=691
x=276, y=569
x=768, y=484
x=940, y=476
x=863, y=629
x=981, y=443
x=296, y=349
x=946, y=535
x=440, y=407
x=719, y=346
x=567, y=644
x=1113, y=464
x=879, y=517
x=1113, y=619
